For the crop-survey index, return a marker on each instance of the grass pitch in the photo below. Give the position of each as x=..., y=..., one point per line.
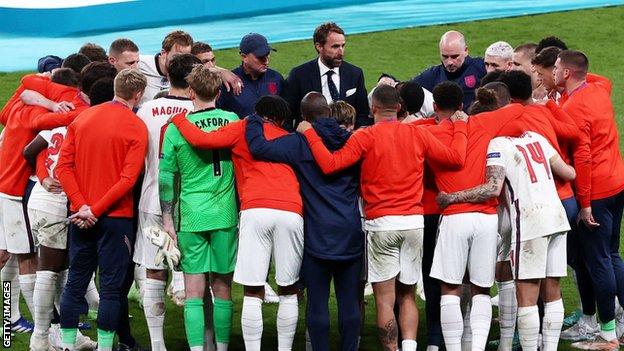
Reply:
x=405, y=53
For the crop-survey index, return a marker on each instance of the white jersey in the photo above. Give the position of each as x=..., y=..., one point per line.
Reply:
x=155, y=114
x=534, y=206
x=156, y=80
x=41, y=199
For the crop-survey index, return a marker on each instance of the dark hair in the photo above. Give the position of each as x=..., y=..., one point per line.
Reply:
x=122, y=44
x=448, y=96
x=179, y=37
x=490, y=77
x=485, y=101
x=200, y=47
x=322, y=32
x=273, y=107
x=179, y=67
x=94, y=52
x=65, y=76
x=94, y=71
x=386, y=97
x=76, y=62
x=519, y=84
x=576, y=60
x=550, y=41
x=313, y=106
x=501, y=91
x=412, y=95
x=547, y=57
x=101, y=91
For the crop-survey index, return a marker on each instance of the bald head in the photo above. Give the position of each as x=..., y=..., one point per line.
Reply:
x=453, y=50
x=314, y=106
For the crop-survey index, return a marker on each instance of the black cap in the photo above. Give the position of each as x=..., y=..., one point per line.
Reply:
x=254, y=43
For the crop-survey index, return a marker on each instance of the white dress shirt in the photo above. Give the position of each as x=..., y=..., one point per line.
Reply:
x=336, y=78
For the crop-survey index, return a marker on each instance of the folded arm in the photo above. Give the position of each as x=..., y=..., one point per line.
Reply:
x=495, y=177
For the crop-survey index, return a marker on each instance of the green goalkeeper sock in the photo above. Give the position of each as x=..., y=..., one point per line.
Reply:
x=607, y=330
x=68, y=337
x=105, y=339
x=194, y=321
x=222, y=316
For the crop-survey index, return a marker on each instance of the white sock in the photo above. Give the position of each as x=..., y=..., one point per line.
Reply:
x=92, y=295
x=465, y=303
x=251, y=323
x=101, y=348
x=552, y=323
x=209, y=342
x=177, y=281
x=221, y=346
x=154, y=308
x=507, y=310
x=451, y=322
x=308, y=344
x=27, y=285
x=528, y=327
x=287, y=316
x=466, y=340
x=140, y=274
x=480, y=320
x=408, y=345
x=197, y=348
x=43, y=301
x=10, y=273
x=60, y=284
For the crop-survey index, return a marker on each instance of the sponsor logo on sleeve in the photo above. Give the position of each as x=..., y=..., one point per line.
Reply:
x=493, y=155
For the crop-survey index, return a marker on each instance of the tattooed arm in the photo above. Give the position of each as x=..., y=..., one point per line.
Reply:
x=495, y=176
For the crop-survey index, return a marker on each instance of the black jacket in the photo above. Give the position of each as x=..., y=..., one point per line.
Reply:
x=307, y=77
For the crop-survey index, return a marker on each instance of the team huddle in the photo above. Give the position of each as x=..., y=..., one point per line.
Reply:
x=147, y=169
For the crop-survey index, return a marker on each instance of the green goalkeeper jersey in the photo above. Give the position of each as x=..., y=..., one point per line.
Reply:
x=207, y=196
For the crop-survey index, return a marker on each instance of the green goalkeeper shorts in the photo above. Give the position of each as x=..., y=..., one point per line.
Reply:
x=212, y=251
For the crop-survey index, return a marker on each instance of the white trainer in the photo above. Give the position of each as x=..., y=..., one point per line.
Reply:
x=586, y=328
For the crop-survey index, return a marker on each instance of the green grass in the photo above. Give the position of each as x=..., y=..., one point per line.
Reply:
x=404, y=53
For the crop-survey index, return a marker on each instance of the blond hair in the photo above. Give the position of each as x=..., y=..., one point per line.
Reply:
x=128, y=82
x=205, y=84
x=343, y=113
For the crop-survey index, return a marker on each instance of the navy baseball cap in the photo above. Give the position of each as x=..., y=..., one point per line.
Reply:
x=48, y=63
x=254, y=43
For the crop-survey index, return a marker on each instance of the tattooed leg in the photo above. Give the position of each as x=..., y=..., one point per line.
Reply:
x=386, y=323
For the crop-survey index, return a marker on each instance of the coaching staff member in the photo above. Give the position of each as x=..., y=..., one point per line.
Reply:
x=456, y=66
x=329, y=75
x=101, y=159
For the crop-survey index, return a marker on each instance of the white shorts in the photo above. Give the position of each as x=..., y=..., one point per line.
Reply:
x=263, y=231
x=395, y=253
x=466, y=240
x=540, y=257
x=49, y=229
x=15, y=234
x=144, y=250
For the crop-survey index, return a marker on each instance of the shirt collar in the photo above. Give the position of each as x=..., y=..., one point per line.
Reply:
x=323, y=69
x=156, y=57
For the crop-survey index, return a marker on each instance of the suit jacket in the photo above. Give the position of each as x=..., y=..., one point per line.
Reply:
x=307, y=77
